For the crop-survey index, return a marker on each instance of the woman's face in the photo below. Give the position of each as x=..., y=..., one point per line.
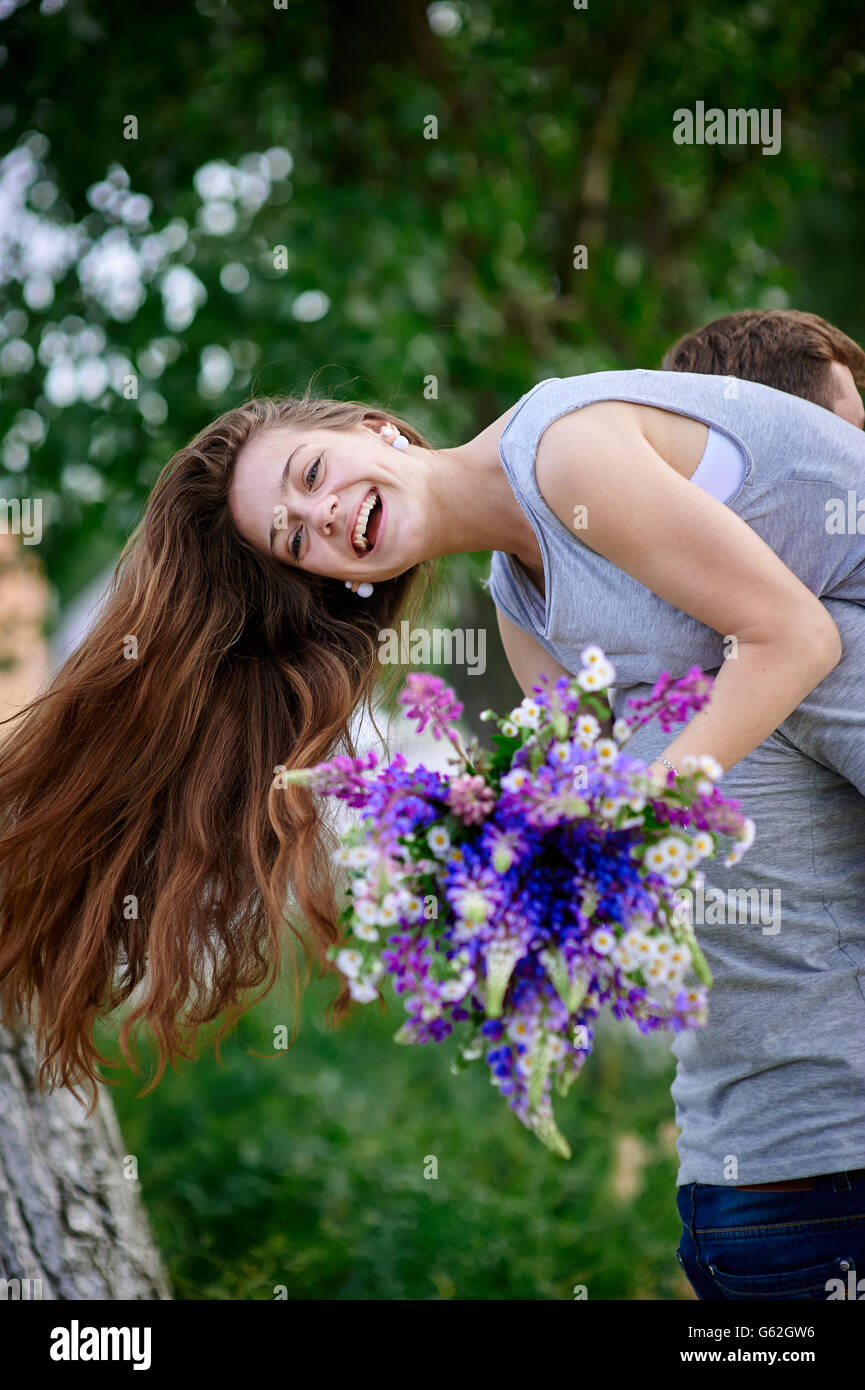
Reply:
x=342, y=503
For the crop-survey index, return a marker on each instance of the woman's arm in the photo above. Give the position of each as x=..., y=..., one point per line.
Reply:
x=528, y=660
x=526, y=657
x=695, y=553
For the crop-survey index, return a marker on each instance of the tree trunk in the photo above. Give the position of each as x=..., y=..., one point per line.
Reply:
x=71, y=1215
x=72, y=1225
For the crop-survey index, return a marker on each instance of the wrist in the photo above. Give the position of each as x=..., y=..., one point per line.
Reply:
x=661, y=772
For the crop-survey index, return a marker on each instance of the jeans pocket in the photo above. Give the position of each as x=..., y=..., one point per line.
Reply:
x=809, y=1281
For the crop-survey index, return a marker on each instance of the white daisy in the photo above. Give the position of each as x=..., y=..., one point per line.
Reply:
x=366, y=911
x=388, y=913
x=607, y=751
x=362, y=991
x=349, y=961
x=438, y=840
x=603, y=941
x=527, y=715
x=520, y=1030
x=591, y=679
x=588, y=726
x=674, y=847
x=644, y=950
x=633, y=938
x=592, y=655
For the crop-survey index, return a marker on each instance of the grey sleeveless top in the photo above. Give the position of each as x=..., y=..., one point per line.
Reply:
x=774, y=1086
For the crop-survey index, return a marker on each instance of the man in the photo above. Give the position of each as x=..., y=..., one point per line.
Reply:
x=804, y=355
x=795, y=352
x=769, y=1058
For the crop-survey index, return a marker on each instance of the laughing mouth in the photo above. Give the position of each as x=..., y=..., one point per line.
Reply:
x=369, y=507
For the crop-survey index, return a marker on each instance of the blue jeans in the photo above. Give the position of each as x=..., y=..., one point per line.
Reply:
x=775, y=1245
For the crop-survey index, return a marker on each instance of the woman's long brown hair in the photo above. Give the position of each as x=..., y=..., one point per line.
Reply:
x=143, y=845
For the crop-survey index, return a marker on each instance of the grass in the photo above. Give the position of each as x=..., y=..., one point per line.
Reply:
x=304, y=1176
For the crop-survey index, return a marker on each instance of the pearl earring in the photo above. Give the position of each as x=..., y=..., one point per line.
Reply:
x=363, y=590
x=400, y=442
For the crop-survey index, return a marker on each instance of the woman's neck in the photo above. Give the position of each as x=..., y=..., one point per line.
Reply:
x=473, y=502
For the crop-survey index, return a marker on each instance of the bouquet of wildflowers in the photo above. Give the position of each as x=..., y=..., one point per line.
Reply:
x=512, y=897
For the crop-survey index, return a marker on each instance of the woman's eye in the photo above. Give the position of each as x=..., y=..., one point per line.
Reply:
x=313, y=473
x=295, y=544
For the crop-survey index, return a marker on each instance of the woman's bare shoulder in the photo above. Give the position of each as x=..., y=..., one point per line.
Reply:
x=678, y=439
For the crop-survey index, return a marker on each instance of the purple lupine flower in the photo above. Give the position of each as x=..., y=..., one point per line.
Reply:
x=429, y=701
x=342, y=777
x=671, y=702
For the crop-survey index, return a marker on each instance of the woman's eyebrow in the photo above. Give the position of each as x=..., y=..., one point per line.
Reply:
x=283, y=487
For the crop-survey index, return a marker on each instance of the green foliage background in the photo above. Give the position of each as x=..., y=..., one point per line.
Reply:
x=305, y=1171
x=449, y=257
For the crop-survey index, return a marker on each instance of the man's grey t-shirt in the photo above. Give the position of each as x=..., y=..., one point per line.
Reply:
x=774, y=1086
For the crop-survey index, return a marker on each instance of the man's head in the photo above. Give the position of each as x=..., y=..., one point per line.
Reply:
x=785, y=348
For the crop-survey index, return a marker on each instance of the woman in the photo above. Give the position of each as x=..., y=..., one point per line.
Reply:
x=140, y=831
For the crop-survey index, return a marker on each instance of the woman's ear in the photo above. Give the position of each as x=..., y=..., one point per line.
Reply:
x=374, y=421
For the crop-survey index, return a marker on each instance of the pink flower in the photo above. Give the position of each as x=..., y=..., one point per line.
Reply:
x=430, y=701
x=471, y=799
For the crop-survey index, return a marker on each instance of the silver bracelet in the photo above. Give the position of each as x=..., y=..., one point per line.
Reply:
x=659, y=759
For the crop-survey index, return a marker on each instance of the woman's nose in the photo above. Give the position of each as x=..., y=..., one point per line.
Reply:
x=326, y=518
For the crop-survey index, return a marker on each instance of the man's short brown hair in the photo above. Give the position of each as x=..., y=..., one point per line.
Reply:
x=784, y=348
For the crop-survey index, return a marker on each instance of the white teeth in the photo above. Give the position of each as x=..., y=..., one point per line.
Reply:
x=359, y=537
